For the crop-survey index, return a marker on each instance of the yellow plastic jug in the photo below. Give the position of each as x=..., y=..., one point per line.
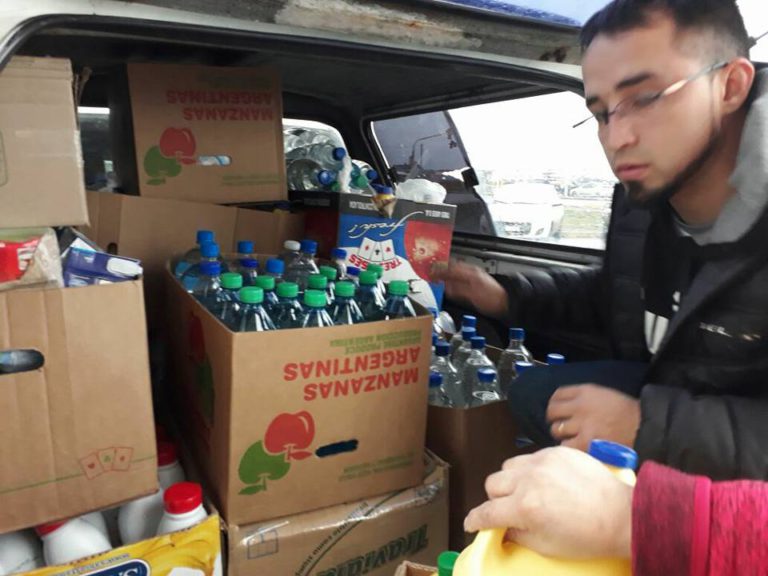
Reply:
x=490, y=555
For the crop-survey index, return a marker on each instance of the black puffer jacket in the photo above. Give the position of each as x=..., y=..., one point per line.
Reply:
x=705, y=404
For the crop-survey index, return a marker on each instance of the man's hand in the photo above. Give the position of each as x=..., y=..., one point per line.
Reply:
x=474, y=286
x=558, y=502
x=582, y=413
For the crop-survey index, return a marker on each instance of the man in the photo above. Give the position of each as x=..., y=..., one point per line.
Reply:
x=683, y=119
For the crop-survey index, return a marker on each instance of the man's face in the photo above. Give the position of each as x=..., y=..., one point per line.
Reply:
x=654, y=150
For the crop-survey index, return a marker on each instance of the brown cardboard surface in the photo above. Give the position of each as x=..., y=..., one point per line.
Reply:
x=183, y=114
x=475, y=442
x=76, y=434
x=411, y=569
x=366, y=537
x=262, y=409
x=41, y=180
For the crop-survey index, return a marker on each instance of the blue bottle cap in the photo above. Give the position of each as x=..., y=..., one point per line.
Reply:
x=209, y=250
x=275, y=266
x=478, y=342
x=353, y=271
x=435, y=379
x=521, y=366
x=339, y=254
x=339, y=153
x=468, y=321
x=613, y=454
x=371, y=174
x=442, y=348
x=467, y=333
x=553, y=359
x=250, y=263
x=245, y=247
x=434, y=339
x=486, y=375
x=516, y=334
x=384, y=190
x=210, y=268
x=205, y=236
x=326, y=177
x=309, y=246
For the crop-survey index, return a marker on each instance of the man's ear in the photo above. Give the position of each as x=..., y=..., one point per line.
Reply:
x=740, y=76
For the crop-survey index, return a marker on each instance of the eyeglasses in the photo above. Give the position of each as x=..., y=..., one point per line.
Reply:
x=635, y=104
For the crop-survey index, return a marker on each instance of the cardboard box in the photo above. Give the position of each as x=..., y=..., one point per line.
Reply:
x=366, y=537
x=411, y=569
x=407, y=245
x=194, y=551
x=200, y=133
x=294, y=420
x=41, y=177
x=76, y=424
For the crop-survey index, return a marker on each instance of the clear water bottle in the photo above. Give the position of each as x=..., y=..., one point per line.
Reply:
x=353, y=275
x=459, y=358
x=209, y=252
x=398, y=305
x=361, y=177
x=228, y=303
x=467, y=321
x=193, y=255
x=451, y=383
x=437, y=395
x=291, y=252
x=327, y=155
x=249, y=270
x=267, y=284
x=252, y=316
x=288, y=313
x=516, y=351
x=320, y=283
x=487, y=388
x=307, y=174
x=316, y=315
x=477, y=359
x=331, y=275
x=244, y=249
x=208, y=284
x=339, y=259
x=553, y=359
x=304, y=266
x=368, y=297
x=275, y=268
x=379, y=270
x=345, y=310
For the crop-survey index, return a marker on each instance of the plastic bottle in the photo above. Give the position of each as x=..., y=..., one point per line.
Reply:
x=327, y=155
x=398, y=305
x=554, y=359
x=20, y=552
x=486, y=388
x=169, y=470
x=320, y=283
x=339, y=259
x=228, y=303
x=316, y=316
x=300, y=270
x=252, y=316
x=307, y=174
x=207, y=285
x=379, y=270
x=446, y=563
x=437, y=394
x=516, y=351
x=249, y=270
x=65, y=542
x=521, y=366
x=332, y=275
x=183, y=508
x=467, y=321
x=477, y=359
x=291, y=252
x=345, y=310
x=267, y=284
x=353, y=274
x=490, y=555
x=288, y=313
x=368, y=297
x=459, y=357
x=209, y=252
x=361, y=177
x=97, y=520
x=244, y=250
x=451, y=383
x=275, y=268
x=193, y=255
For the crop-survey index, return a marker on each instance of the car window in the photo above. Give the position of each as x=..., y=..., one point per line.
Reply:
x=97, y=147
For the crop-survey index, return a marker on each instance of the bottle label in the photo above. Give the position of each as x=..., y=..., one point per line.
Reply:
x=132, y=568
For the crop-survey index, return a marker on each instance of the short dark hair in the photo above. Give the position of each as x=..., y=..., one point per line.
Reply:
x=721, y=18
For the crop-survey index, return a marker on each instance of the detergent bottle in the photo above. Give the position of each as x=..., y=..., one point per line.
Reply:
x=490, y=555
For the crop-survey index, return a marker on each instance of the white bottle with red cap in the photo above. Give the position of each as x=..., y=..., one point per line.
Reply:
x=138, y=519
x=98, y=521
x=65, y=542
x=20, y=552
x=183, y=507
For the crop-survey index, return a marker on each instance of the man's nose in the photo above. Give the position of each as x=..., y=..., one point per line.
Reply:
x=619, y=133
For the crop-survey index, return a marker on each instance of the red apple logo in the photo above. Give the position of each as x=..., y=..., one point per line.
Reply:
x=290, y=433
x=178, y=143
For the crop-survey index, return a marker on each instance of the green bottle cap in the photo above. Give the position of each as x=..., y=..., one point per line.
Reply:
x=345, y=289
x=445, y=563
x=376, y=268
x=317, y=282
x=398, y=288
x=251, y=295
x=231, y=281
x=265, y=282
x=287, y=290
x=329, y=272
x=368, y=278
x=314, y=298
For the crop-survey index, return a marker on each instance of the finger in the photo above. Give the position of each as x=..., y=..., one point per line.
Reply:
x=577, y=442
x=562, y=429
x=522, y=461
x=455, y=272
x=565, y=393
x=501, y=513
x=503, y=484
x=562, y=410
